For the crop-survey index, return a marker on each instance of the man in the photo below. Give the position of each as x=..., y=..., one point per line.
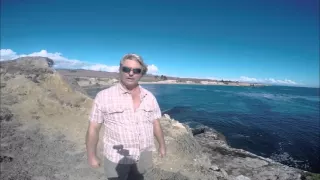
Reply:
x=130, y=115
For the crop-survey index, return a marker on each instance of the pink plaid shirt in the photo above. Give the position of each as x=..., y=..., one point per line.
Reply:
x=127, y=132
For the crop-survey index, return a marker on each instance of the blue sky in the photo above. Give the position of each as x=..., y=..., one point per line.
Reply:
x=270, y=41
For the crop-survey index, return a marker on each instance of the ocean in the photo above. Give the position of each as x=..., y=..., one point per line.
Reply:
x=277, y=122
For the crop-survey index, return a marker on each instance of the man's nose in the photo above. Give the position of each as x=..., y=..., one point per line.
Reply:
x=131, y=72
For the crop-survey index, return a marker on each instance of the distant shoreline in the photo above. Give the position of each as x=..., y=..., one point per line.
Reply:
x=209, y=84
x=168, y=83
x=90, y=77
x=97, y=78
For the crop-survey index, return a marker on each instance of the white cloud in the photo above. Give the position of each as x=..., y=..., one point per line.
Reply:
x=152, y=69
x=256, y=80
x=63, y=62
x=268, y=81
x=102, y=67
x=248, y=79
x=7, y=54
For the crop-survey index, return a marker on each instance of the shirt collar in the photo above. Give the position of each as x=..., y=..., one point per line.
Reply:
x=124, y=90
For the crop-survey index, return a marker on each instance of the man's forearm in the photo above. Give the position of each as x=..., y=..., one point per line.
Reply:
x=159, y=133
x=92, y=139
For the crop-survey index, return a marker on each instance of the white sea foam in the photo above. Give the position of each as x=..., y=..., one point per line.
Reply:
x=239, y=136
x=279, y=97
x=194, y=88
x=285, y=158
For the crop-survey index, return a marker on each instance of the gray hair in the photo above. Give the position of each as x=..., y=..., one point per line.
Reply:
x=136, y=58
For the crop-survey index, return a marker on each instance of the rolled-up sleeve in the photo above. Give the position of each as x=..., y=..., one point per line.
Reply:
x=96, y=114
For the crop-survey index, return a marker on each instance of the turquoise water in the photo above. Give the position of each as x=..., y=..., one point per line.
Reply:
x=281, y=123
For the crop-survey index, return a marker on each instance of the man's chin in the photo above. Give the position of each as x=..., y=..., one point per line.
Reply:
x=131, y=83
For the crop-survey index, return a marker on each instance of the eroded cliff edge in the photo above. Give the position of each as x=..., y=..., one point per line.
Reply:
x=44, y=118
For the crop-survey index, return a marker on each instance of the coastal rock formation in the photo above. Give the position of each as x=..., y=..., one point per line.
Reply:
x=43, y=122
x=44, y=118
x=87, y=82
x=202, y=153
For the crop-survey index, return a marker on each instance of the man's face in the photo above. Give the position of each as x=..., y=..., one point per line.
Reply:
x=130, y=72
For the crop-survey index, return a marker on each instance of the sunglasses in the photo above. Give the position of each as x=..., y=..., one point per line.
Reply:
x=128, y=70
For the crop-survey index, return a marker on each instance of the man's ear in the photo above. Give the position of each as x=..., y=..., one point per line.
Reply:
x=119, y=69
x=145, y=70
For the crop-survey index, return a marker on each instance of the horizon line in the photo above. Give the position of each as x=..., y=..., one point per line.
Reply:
x=263, y=83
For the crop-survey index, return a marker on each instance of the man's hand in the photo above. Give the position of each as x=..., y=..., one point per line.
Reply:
x=162, y=151
x=94, y=162
x=92, y=138
x=160, y=137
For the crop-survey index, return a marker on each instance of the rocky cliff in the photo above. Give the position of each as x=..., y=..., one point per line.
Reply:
x=44, y=118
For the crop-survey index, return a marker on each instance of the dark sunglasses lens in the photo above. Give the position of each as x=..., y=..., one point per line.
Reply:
x=136, y=71
x=126, y=69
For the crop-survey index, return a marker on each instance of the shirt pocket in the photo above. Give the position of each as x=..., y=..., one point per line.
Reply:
x=116, y=115
x=147, y=114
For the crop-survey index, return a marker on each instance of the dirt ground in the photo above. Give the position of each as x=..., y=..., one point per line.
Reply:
x=29, y=154
x=37, y=143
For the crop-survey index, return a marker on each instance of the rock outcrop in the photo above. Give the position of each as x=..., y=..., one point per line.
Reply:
x=93, y=82
x=43, y=123
x=202, y=153
x=44, y=118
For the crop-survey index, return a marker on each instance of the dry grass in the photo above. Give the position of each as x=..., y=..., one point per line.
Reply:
x=55, y=104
